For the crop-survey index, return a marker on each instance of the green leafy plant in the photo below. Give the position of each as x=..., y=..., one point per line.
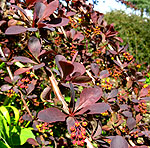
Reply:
x=11, y=133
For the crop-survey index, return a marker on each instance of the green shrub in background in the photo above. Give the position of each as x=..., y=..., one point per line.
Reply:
x=135, y=31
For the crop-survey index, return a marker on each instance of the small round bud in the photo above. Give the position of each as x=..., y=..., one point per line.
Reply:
x=77, y=124
x=84, y=123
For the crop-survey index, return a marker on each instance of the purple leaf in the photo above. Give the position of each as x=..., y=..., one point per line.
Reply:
x=27, y=117
x=95, y=68
x=143, y=92
x=113, y=93
x=127, y=114
x=104, y=74
x=118, y=142
x=79, y=68
x=57, y=59
x=21, y=70
x=35, y=67
x=131, y=122
x=34, y=46
x=24, y=59
x=46, y=93
x=78, y=36
x=32, y=141
x=5, y=87
x=51, y=7
x=22, y=10
x=96, y=108
x=70, y=123
x=97, y=131
x=89, y=96
x=57, y=22
x=32, y=29
x=51, y=115
x=67, y=68
x=13, y=30
x=31, y=86
x=7, y=79
x=39, y=9
x=70, y=13
x=146, y=98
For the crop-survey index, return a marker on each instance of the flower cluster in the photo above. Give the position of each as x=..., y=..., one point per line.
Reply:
x=127, y=56
x=10, y=93
x=105, y=83
x=142, y=106
x=122, y=96
x=45, y=127
x=24, y=82
x=78, y=133
x=135, y=133
x=105, y=113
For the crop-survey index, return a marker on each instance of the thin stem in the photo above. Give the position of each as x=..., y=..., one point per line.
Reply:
x=25, y=104
x=7, y=67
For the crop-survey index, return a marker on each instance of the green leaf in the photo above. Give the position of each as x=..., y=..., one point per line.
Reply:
x=3, y=145
x=5, y=113
x=19, y=64
x=4, y=129
x=16, y=112
x=25, y=134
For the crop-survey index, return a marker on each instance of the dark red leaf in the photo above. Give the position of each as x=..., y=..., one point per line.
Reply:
x=57, y=59
x=30, y=2
x=21, y=70
x=118, y=142
x=81, y=79
x=34, y=46
x=67, y=68
x=32, y=141
x=5, y=87
x=13, y=30
x=39, y=9
x=51, y=7
x=89, y=96
x=24, y=59
x=95, y=68
x=51, y=115
x=2, y=22
x=131, y=122
x=57, y=22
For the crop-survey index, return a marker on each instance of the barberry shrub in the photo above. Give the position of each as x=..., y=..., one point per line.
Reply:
x=73, y=82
